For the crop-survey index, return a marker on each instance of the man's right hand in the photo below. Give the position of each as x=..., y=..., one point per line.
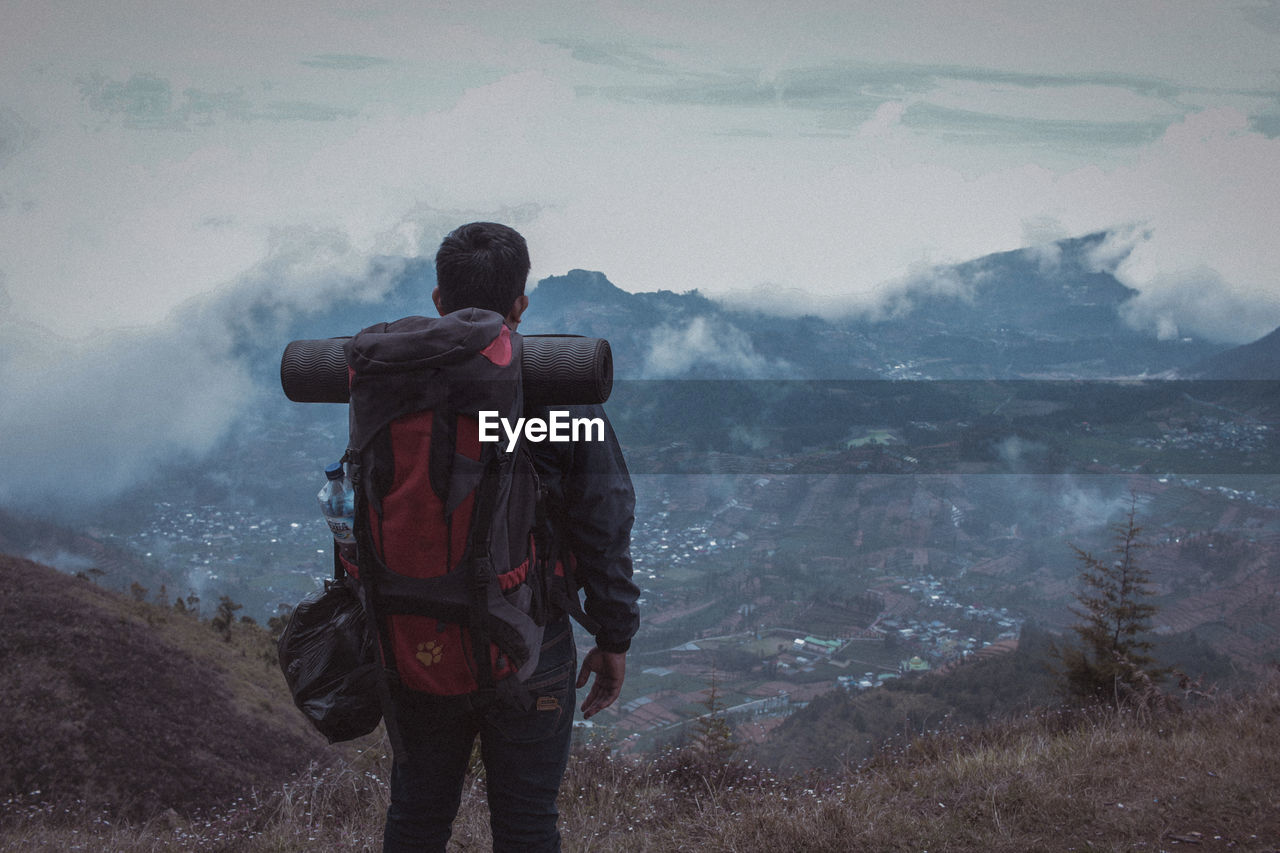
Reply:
x=611, y=670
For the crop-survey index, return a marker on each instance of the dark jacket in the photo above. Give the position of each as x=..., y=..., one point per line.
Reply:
x=593, y=505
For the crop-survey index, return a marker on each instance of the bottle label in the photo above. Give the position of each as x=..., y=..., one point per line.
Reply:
x=341, y=528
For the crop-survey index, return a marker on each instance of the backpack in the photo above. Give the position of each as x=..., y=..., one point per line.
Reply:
x=454, y=554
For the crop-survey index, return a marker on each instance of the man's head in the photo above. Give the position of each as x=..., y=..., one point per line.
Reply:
x=482, y=265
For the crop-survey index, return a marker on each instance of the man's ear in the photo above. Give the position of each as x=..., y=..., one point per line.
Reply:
x=517, y=310
x=435, y=297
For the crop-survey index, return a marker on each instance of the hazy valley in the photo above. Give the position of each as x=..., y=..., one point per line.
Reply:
x=835, y=516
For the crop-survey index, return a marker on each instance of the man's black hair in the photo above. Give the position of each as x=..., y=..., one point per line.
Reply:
x=482, y=265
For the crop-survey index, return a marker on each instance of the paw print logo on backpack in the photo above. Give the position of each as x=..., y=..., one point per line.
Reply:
x=429, y=653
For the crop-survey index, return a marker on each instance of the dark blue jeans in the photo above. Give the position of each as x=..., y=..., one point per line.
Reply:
x=524, y=754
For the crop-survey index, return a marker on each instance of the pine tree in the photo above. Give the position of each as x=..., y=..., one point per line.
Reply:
x=1113, y=659
x=714, y=738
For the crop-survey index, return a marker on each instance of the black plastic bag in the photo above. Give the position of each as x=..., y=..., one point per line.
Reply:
x=330, y=662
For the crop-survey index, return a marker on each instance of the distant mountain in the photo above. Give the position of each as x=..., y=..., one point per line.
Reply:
x=1257, y=360
x=1065, y=296
x=1007, y=315
x=1027, y=314
x=711, y=341
x=122, y=705
x=1020, y=314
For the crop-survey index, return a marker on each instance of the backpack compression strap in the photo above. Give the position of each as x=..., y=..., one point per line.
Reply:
x=564, y=594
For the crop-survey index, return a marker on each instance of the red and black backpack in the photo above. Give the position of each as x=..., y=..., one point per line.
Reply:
x=454, y=558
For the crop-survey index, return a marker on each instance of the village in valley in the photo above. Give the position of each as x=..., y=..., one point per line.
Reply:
x=789, y=586
x=725, y=608
x=772, y=579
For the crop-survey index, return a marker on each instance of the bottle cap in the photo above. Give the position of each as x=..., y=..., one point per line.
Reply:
x=333, y=471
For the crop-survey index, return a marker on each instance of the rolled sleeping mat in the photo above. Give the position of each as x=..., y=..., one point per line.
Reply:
x=564, y=370
x=315, y=371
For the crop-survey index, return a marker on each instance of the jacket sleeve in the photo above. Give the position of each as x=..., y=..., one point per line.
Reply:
x=594, y=502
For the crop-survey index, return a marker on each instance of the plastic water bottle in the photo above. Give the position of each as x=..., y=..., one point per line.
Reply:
x=338, y=503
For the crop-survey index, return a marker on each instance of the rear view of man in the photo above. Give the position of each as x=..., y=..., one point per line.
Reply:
x=591, y=506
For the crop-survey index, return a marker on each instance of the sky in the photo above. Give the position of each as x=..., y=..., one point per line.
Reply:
x=158, y=158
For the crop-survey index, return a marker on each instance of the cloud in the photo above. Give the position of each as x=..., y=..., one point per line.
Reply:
x=971, y=126
x=969, y=103
x=612, y=55
x=1041, y=235
x=695, y=349
x=1085, y=507
x=84, y=419
x=15, y=134
x=62, y=560
x=305, y=111
x=345, y=62
x=1017, y=452
x=1197, y=206
x=887, y=116
x=148, y=101
x=818, y=156
x=1266, y=16
x=87, y=417
x=1197, y=300
x=647, y=148
x=1207, y=197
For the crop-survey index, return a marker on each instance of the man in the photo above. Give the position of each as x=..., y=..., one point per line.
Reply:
x=485, y=265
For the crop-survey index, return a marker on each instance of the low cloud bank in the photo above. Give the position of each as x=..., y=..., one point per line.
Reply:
x=84, y=419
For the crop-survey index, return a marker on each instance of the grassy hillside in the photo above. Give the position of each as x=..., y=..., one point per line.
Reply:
x=129, y=727
x=841, y=728
x=130, y=709
x=1199, y=779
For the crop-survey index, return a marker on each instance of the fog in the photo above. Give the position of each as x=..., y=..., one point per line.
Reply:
x=169, y=205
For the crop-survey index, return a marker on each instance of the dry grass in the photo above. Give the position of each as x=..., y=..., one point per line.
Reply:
x=1203, y=779
x=327, y=809
x=1054, y=782
x=114, y=705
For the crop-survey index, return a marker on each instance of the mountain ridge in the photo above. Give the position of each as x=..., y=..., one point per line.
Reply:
x=1258, y=359
x=1047, y=312
x=122, y=705
x=1002, y=316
